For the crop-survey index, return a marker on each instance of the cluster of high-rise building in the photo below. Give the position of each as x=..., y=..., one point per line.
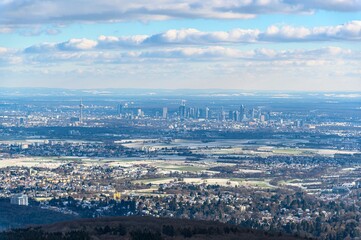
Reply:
x=190, y=112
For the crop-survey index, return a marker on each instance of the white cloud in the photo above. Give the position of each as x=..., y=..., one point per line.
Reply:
x=74, y=44
x=5, y=30
x=170, y=74
x=10, y=57
x=117, y=42
x=331, y=5
x=321, y=56
x=329, y=68
x=193, y=36
x=194, y=53
x=78, y=44
x=3, y=50
x=29, y=29
x=71, y=11
x=350, y=31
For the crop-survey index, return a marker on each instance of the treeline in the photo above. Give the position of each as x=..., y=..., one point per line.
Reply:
x=167, y=232
x=139, y=229
x=39, y=234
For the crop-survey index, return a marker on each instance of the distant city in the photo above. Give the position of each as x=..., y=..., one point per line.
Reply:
x=180, y=120
x=285, y=163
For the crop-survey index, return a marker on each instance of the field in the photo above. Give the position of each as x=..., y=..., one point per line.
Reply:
x=31, y=162
x=255, y=183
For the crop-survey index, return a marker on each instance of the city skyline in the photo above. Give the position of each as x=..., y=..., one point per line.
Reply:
x=246, y=45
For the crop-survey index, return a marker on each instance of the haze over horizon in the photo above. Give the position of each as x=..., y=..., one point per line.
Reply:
x=238, y=44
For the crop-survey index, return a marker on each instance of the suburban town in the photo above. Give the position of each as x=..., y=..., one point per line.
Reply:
x=265, y=169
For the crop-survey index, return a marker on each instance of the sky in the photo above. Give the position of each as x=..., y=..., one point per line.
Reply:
x=286, y=45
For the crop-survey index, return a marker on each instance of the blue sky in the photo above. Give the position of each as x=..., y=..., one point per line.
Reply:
x=232, y=44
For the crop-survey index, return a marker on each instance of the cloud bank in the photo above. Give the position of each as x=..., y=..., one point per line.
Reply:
x=319, y=56
x=350, y=31
x=326, y=68
x=24, y=12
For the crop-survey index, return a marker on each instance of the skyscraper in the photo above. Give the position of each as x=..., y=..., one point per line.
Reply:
x=223, y=115
x=253, y=113
x=165, y=112
x=242, y=112
x=230, y=115
x=81, y=111
x=182, y=109
x=119, y=109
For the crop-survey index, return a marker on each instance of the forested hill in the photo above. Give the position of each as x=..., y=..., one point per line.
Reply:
x=139, y=228
x=13, y=216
